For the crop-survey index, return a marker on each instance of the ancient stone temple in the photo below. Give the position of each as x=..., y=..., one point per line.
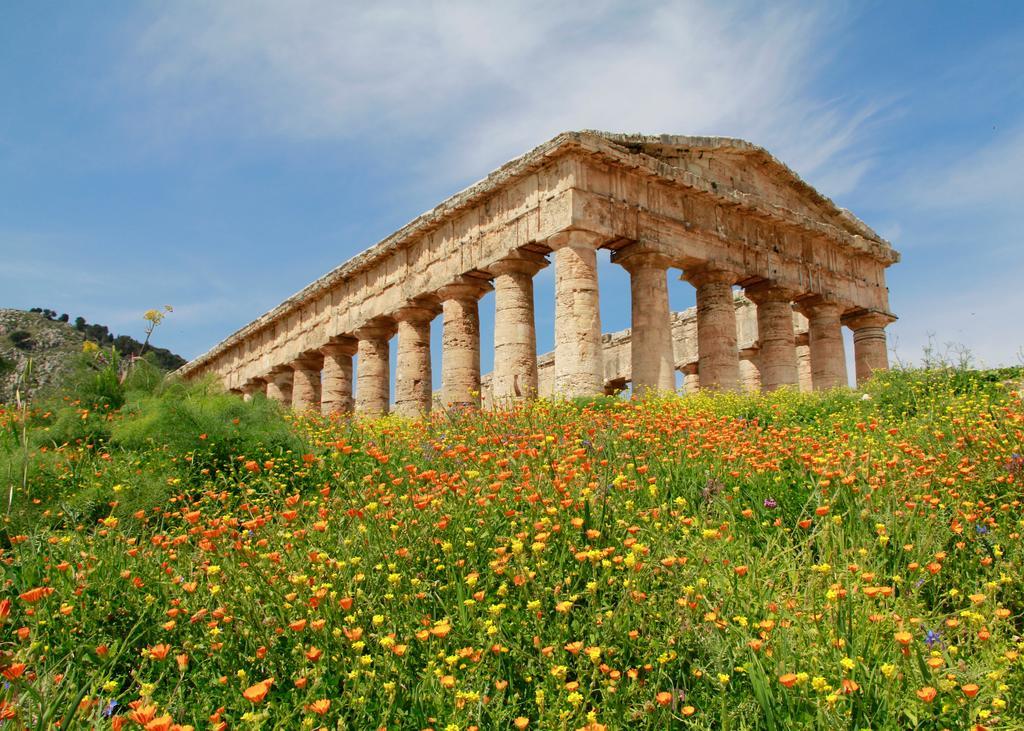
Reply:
x=723, y=212
x=617, y=355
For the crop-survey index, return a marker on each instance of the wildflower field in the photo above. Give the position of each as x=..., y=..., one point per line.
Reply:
x=174, y=558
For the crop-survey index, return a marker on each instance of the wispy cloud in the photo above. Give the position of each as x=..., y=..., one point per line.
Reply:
x=484, y=82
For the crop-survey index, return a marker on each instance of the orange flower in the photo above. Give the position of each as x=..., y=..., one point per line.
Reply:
x=143, y=714
x=5, y=609
x=788, y=679
x=447, y=681
x=970, y=690
x=182, y=661
x=850, y=686
x=320, y=707
x=741, y=570
x=33, y=595
x=688, y=710
x=927, y=693
x=298, y=625
x=162, y=723
x=256, y=693
x=663, y=698
x=13, y=671
x=314, y=654
x=904, y=638
x=521, y=722
x=159, y=652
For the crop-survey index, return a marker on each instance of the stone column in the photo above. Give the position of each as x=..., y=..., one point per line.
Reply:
x=777, y=341
x=515, y=336
x=279, y=386
x=825, y=337
x=579, y=370
x=460, y=342
x=306, y=383
x=373, y=374
x=651, y=359
x=251, y=388
x=336, y=379
x=750, y=371
x=413, y=380
x=803, y=362
x=870, y=352
x=718, y=360
x=691, y=381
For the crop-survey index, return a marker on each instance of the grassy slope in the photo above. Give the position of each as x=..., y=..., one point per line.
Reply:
x=776, y=561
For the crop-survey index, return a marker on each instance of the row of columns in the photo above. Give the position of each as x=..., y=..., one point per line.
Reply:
x=324, y=378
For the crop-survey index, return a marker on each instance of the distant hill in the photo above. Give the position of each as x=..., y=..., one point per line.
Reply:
x=53, y=342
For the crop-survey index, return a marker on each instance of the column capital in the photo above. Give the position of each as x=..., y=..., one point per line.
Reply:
x=308, y=362
x=518, y=262
x=711, y=273
x=575, y=239
x=641, y=255
x=768, y=291
x=465, y=288
x=808, y=305
x=419, y=309
x=868, y=318
x=340, y=345
x=378, y=328
x=280, y=374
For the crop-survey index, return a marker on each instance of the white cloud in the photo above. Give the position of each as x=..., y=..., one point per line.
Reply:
x=484, y=82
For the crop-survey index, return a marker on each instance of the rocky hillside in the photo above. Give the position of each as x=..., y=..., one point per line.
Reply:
x=51, y=344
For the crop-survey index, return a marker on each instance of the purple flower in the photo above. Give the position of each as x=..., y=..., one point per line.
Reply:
x=769, y=502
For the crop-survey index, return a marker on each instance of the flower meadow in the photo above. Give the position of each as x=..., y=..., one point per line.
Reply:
x=183, y=560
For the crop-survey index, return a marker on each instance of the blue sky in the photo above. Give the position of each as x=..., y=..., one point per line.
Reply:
x=220, y=156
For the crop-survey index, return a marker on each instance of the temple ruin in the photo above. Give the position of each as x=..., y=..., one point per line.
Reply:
x=617, y=356
x=722, y=211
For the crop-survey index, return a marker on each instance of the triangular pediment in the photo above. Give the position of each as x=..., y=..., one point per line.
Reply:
x=731, y=164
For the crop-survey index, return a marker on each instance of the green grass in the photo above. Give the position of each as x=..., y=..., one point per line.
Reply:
x=736, y=561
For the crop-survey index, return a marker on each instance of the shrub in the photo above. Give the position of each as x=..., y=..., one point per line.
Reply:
x=21, y=339
x=204, y=423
